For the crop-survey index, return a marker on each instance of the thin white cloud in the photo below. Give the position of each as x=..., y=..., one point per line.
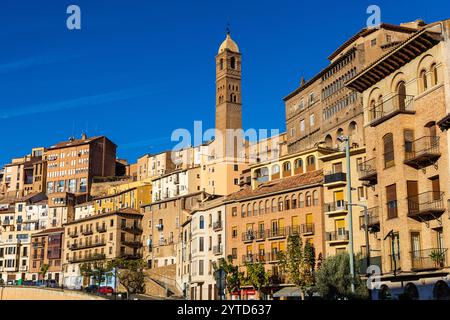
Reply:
x=82, y=102
x=33, y=62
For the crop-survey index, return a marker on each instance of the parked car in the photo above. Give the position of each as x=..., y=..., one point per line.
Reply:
x=91, y=288
x=106, y=290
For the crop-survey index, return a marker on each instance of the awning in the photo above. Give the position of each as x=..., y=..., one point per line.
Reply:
x=288, y=292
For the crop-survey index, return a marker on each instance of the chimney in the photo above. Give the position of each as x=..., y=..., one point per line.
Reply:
x=83, y=136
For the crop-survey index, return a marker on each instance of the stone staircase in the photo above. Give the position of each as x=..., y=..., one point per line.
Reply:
x=160, y=282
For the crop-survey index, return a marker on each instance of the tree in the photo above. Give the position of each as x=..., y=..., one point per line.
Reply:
x=96, y=270
x=333, y=279
x=130, y=274
x=257, y=277
x=44, y=269
x=299, y=262
x=233, y=277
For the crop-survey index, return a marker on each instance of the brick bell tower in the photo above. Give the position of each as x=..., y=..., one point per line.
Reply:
x=228, y=88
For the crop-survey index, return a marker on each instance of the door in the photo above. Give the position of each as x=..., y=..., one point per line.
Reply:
x=401, y=91
x=436, y=188
x=412, y=189
x=391, y=201
x=339, y=199
x=295, y=224
x=340, y=228
x=415, y=251
x=281, y=227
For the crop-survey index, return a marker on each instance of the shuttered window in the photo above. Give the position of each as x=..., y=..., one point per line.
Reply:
x=409, y=138
x=391, y=197
x=388, y=143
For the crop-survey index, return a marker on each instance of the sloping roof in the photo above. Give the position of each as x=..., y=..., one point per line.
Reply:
x=76, y=142
x=281, y=185
x=48, y=231
x=111, y=213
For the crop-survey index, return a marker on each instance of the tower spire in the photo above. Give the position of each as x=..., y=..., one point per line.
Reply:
x=228, y=29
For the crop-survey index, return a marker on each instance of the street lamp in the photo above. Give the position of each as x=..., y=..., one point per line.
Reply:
x=366, y=230
x=346, y=139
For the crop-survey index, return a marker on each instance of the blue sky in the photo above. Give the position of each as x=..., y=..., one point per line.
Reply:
x=138, y=69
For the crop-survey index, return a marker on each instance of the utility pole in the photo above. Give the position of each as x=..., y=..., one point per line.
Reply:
x=346, y=139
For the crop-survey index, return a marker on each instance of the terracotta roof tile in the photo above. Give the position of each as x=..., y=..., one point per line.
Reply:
x=305, y=179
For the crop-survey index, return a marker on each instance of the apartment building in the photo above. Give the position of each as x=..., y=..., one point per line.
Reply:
x=46, y=249
x=177, y=183
x=322, y=108
x=100, y=237
x=15, y=239
x=128, y=195
x=260, y=219
x=337, y=209
x=405, y=95
x=206, y=228
x=152, y=165
x=24, y=175
x=84, y=210
x=72, y=165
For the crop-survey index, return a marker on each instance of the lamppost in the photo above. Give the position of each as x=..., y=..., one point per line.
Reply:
x=346, y=139
x=366, y=230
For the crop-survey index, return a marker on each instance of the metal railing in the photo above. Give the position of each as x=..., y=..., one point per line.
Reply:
x=367, y=169
x=373, y=217
x=89, y=257
x=339, y=205
x=332, y=177
x=77, y=246
x=429, y=259
x=426, y=202
x=422, y=147
x=275, y=233
x=396, y=104
x=248, y=236
x=341, y=235
x=218, y=249
x=217, y=225
x=132, y=229
x=101, y=229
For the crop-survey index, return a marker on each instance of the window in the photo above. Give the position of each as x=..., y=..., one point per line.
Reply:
x=302, y=125
x=234, y=211
x=409, y=142
x=234, y=232
x=401, y=92
x=434, y=74
x=234, y=253
x=391, y=197
x=298, y=166
x=202, y=222
x=312, y=120
x=233, y=63
x=373, y=42
x=200, y=268
x=221, y=64
x=287, y=166
x=83, y=184
x=201, y=244
x=423, y=81
x=361, y=194
x=311, y=163
x=388, y=143
x=388, y=38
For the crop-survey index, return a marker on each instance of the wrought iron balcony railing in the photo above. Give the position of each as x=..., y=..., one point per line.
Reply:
x=430, y=202
x=429, y=259
x=399, y=103
x=422, y=151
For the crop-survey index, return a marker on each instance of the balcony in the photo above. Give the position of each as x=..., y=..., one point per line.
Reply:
x=218, y=249
x=260, y=235
x=304, y=229
x=87, y=232
x=422, y=152
x=335, y=237
x=160, y=227
x=132, y=229
x=253, y=258
x=217, y=225
x=367, y=172
x=389, y=108
x=335, y=179
x=132, y=243
x=334, y=208
x=272, y=257
x=248, y=236
x=101, y=229
x=426, y=206
x=277, y=233
x=7, y=222
x=38, y=244
x=92, y=257
x=373, y=224
x=429, y=259
x=73, y=234
x=76, y=246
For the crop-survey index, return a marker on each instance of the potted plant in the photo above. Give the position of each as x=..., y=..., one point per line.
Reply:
x=438, y=257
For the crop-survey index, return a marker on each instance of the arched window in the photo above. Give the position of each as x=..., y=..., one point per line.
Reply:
x=423, y=81
x=388, y=144
x=301, y=200
x=275, y=172
x=294, y=201
x=261, y=208
x=221, y=64
x=308, y=199
x=352, y=128
x=287, y=203
x=255, y=209
x=401, y=92
x=243, y=211
x=202, y=222
x=267, y=206
x=249, y=210
x=298, y=166
x=411, y=291
x=329, y=141
x=315, y=198
x=372, y=110
x=280, y=204
x=310, y=164
x=287, y=169
x=210, y=220
x=434, y=74
x=233, y=63
x=262, y=175
x=274, y=205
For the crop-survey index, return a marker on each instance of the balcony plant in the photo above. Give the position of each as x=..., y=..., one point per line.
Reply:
x=438, y=257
